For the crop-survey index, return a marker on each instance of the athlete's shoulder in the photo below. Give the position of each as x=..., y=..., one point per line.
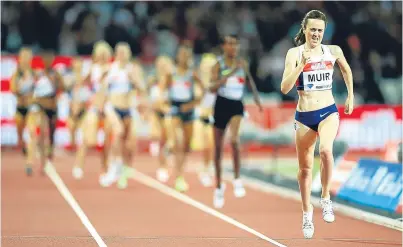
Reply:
x=132, y=67
x=216, y=66
x=335, y=50
x=292, y=55
x=94, y=65
x=218, y=63
x=293, y=51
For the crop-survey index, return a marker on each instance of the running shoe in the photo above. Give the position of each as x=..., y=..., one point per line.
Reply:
x=127, y=173
x=307, y=224
x=219, y=199
x=78, y=172
x=181, y=185
x=162, y=175
x=239, y=189
x=327, y=210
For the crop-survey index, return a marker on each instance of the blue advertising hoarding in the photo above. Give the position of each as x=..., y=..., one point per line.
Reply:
x=374, y=183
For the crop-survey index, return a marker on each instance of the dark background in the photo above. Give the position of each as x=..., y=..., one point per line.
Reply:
x=370, y=34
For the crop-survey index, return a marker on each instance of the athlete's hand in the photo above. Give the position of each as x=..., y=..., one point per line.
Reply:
x=143, y=111
x=349, y=106
x=166, y=109
x=142, y=108
x=306, y=57
x=186, y=107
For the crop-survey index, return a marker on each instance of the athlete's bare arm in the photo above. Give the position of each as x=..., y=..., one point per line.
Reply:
x=214, y=78
x=150, y=81
x=347, y=76
x=13, y=83
x=252, y=85
x=197, y=79
x=166, y=82
x=199, y=83
x=291, y=71
x=87, y=79
x=103, y=91
x=136, y=77
x=59, y=82
x=163, y=101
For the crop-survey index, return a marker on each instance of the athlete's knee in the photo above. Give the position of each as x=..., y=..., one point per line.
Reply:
x=187, y=148
x=130, y=144
x=218, y=149
x=304, y=172
x=32, y=130
x=235, y=141
x=180, y=145
x=118, y=133
x=325, y=152
x=52, y=124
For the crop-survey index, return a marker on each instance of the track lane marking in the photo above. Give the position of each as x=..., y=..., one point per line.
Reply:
x=348, y=211
x=153, y=183
x=272, y=189
x=66, y=194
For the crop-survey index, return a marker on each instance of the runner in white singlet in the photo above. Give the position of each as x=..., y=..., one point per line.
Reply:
x=205, y=110
x=43, y=110
x=161, y=138
x=81, y=94
x=22, y=86
x=93, y=119
x=230, y=76
x=182, y=100
x=310, y=67
x=118, y=86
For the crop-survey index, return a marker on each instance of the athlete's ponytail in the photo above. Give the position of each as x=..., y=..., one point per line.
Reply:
x=313, y=14
x=300, y=37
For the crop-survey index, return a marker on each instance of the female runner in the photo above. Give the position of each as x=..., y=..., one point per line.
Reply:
x=206, y=117
x=310, y=67
x=159, y=123
x=228, y=80
x=102, y=54
x=81, y=94
x=181, y=87
x=22, y=85
x=119, y=86
x=43, y=110
x=73, y=80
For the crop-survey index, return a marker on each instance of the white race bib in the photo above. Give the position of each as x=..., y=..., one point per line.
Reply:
x=120, y=88
x=232, y=89
x=208, y=100
x=84, y=94
x=25, y=86
x=318, y=80
x=44, y=87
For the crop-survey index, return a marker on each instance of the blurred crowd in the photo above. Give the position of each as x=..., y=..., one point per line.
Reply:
x=370, y=34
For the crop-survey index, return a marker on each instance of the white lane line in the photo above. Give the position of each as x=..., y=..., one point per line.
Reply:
x=294, y=195
x=148, y=181
x=64, y=191
x=346, y=210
